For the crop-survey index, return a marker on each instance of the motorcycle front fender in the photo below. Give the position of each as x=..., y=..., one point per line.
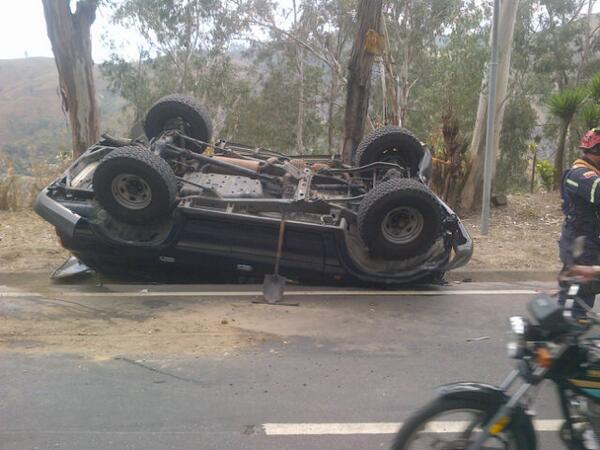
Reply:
x=492, y=395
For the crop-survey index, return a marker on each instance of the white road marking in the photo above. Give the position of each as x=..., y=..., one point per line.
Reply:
x=299, y=429
x=289, y=293
x=19, y=294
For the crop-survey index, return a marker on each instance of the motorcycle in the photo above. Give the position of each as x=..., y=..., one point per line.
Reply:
x=554, y=346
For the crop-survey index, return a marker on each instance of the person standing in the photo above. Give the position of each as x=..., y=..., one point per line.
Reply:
x=580, y=193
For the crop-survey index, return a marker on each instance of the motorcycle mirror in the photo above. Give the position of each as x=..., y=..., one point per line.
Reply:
x=578, y=247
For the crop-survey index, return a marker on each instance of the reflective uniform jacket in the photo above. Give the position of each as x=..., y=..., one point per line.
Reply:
x=580, y=192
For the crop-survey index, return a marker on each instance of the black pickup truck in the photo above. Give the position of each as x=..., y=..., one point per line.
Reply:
x=174, y=203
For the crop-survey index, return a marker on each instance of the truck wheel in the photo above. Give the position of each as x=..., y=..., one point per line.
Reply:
x=135, y=186
x=180, y=112
x=399, y=219
x=390, y=144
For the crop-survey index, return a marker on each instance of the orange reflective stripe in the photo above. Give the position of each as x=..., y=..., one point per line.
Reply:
x=581, y=164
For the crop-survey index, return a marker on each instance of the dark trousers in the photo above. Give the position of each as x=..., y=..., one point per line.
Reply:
x=587, y=293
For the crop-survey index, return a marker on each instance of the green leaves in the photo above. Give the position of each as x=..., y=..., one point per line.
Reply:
x=565, y=104
x=546, y=172
x=590, y=114
x=594, y=87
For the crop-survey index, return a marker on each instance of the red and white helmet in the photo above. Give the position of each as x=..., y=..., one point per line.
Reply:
x=590, y=140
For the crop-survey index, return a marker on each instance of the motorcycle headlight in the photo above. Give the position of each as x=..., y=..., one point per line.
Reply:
x=517, y=344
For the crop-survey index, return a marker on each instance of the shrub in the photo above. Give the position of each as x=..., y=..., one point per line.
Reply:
x=9, y=191
x=545, y=169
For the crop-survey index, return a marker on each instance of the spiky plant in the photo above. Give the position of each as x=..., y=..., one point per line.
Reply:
x=564, y=105
x=594, y=87
x=590, y=113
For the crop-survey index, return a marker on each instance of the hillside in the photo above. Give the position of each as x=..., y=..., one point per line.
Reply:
x=32, y=124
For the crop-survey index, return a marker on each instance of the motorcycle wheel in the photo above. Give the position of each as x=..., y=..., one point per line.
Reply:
x=454, y=424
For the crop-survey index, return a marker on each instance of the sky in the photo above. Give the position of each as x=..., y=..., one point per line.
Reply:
x=23, y=32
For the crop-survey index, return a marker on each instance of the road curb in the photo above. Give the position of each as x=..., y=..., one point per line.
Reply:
x=505, y=276
x=487, y=275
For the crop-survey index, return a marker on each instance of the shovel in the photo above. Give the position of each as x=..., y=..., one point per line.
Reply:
x=274, y=284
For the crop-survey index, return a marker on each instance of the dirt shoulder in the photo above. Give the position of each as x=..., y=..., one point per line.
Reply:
x=103, y=328
x=28, y=243
x=523, y=236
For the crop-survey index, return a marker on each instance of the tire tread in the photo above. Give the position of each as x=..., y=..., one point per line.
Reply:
x=386, y=189
x=189, y=102
x=362, y=153
x=149, y=159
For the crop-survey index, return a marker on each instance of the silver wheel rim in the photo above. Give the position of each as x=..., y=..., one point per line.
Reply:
x=402, y=225
x=456, y=433
x=131, y=191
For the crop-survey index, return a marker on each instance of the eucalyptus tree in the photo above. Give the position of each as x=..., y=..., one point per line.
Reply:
x=472, y=191
x=69, y=33
x=188, y=47
x=415, y=31
x=315, y=33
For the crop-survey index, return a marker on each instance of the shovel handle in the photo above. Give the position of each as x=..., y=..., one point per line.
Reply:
x=279, y=245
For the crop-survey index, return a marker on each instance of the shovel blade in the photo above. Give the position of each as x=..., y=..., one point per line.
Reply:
x=71, y=268
x=273, y=287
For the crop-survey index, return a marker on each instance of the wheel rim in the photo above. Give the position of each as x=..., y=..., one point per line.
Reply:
x=131, y=191
x=456, y=430
x=402, y=225
x=393, y=156
x=178, y=123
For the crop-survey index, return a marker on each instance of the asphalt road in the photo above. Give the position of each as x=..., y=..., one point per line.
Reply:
x=338, y=371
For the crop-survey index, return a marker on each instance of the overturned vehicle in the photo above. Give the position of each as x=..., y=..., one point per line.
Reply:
x=174, y=204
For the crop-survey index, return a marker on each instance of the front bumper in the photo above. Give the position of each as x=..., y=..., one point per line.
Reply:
x=58, y=215
x=462, y=244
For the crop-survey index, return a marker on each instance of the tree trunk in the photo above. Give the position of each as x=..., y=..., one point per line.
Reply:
x=531, y=189
x=330, y=110
x=473, y=189
x=359, y=77
x=587, y=41
x=404, y=89
x=392, y=90
x=300, y=68
x=300, y=118
x=559, y=159
x=69, y=34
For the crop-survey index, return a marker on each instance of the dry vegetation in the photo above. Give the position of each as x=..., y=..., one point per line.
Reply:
x=19, y=192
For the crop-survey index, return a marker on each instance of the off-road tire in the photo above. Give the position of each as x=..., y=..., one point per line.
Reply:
x=199, y=125
x=390, y=144
x=441, y=405
x=152, y=169
x=387, y=196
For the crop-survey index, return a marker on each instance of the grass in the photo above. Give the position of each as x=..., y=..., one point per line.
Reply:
x=19, y=192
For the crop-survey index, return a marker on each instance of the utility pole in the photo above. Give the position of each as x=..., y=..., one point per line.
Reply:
x=491, y=118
